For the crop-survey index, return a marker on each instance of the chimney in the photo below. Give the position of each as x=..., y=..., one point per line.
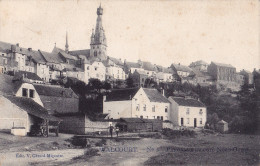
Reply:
x=163, y=93
x=104, y=98
x=29, y=49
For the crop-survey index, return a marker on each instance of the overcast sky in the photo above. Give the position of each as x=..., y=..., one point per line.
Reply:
x=162, y=32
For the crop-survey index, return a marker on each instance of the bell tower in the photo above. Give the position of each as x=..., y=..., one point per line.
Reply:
x=98, y=44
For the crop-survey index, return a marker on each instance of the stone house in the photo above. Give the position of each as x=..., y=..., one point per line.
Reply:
x=114, y=69
x=187, y=112
x=139, y=78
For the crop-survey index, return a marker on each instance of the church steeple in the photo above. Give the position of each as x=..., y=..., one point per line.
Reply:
x=98, y=42
x=66, y=45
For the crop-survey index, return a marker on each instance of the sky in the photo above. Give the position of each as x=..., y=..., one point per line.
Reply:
x=160, y=31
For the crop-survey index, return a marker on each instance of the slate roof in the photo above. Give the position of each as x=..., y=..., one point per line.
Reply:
x=116, y=61
x=51, y=57
x=29, y=75
x=7, y=86
x=121, y=94
x=4, y=47
x=223, y=65
x=37, y=57
x=187, y=102
x=132, y=120
x=155, y=96
x=148, y=66
x=67, y=56
x=132, y=65
x=180, y=67
x=54, y=91
x=197, y=63
x=141, y=72
x=31, y=107
x=85, y=52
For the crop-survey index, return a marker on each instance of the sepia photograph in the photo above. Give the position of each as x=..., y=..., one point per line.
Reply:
x=129, y=83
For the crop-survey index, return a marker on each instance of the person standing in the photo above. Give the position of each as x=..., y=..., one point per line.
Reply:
x=117, y=131
x=111, y=130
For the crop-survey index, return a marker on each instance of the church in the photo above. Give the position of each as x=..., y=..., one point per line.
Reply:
x=96, y=63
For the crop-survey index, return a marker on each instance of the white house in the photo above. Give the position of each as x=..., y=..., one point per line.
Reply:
x=94, y=69
x=187, y=112
x=136, y=103
x=115, y=68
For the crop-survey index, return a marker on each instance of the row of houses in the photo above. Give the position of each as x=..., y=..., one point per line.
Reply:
x=95, y=63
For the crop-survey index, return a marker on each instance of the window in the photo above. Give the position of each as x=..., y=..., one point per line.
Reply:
x=88, y=68
x=188, y=111
x=147, y=117
x=166, y=109
x=95, y=53
x=137, y=107
x=153, y=108
x=188, y=120
x=200, y=120
x=154, y=117
x=144, y=107
x=158, y=117
x=31, y=93
x=141, y=117
x=25, y=92
x=201, y=112
x=95, y=68
x=161, y=117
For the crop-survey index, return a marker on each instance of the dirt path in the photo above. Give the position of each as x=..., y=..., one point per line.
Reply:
x=142, y=150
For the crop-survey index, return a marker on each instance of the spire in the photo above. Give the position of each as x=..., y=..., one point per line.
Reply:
x=67, y=45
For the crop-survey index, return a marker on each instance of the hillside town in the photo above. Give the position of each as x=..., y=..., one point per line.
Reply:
x=88, y=91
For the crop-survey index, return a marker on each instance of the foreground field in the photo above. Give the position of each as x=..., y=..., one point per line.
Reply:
x=204, y=149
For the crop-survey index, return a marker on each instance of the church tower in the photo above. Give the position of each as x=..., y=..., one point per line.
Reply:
x=66, y=45
x=98, y=44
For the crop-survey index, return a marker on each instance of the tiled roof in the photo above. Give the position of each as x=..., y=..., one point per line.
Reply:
x=51, y=57
x=121, y=94
x=80, y=52
x=223, y=65
x=56, y=91
x=29, y=75
x=31, y=107
x=155, y=96
x=180, y=67
x=187, y=102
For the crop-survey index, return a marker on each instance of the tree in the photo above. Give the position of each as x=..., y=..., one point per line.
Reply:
x=106, y=85
x=150, y=83
x=129, y=82
x=94, y=84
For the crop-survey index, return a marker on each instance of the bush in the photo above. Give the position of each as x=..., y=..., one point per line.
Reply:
x=87, y=154
x=101, y=142
x=177, y=133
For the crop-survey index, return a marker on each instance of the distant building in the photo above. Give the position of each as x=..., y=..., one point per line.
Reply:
x=248, y=76
x=199, y=65
x=201, y=78
x=114, y=69
x=139, y=78
x=182, y=71
x=165, y=74
x=256, y=76
x=187, y=112
x=141, y=103
x=224, y=75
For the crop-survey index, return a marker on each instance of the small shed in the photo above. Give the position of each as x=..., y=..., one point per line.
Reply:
x=222, y=126
x=153, y=124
